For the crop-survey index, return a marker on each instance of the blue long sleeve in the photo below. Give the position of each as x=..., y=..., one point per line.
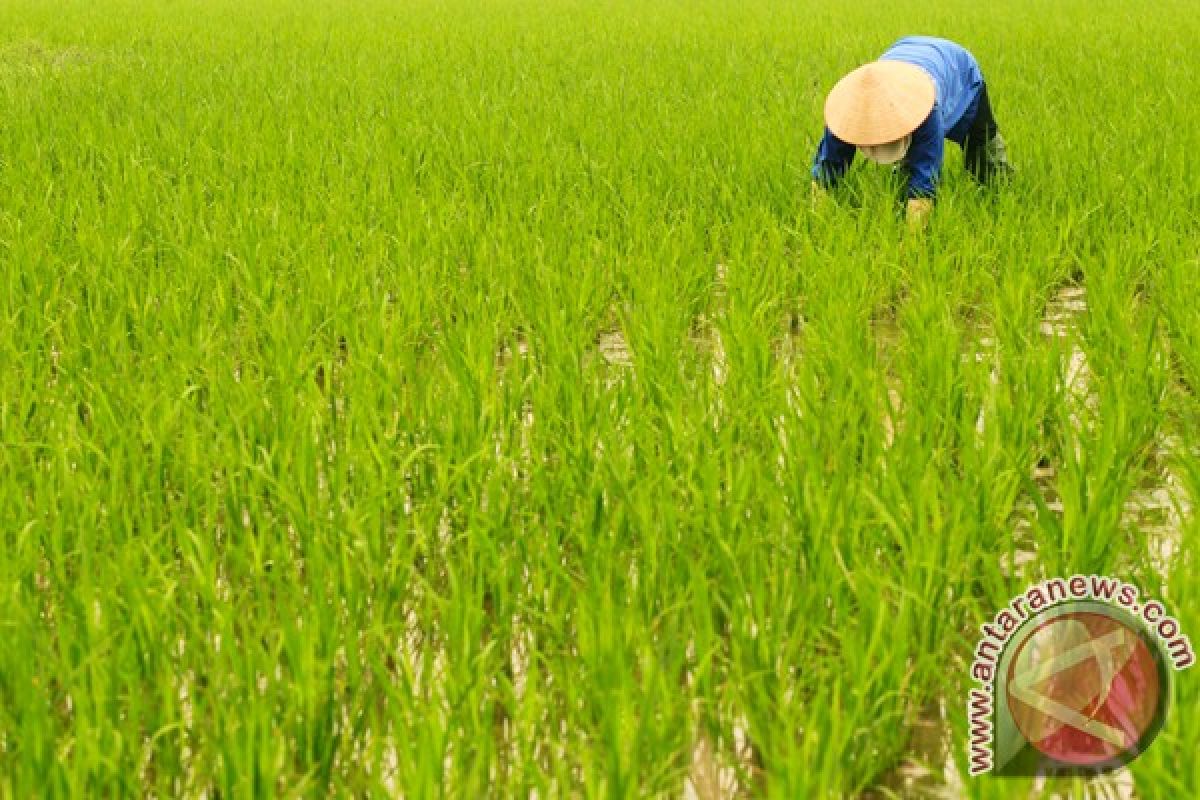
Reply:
x=924, y=157
x=832, y=160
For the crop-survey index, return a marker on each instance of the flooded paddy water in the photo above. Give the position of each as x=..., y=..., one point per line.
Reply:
x=1154, y=512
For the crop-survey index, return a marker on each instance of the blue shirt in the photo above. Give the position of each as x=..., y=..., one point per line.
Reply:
x=958, y=83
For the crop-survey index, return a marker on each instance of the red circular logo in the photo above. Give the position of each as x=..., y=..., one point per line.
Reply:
x=1084, y=689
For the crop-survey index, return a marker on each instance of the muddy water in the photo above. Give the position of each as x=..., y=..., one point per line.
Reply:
x=1157, y=509
x=1060, y=321
x=1159, y=505
x=715, y=766
x=930, y=771
x=886, y=333
x=614, y=349
x=706, y=338
x=1114, y=786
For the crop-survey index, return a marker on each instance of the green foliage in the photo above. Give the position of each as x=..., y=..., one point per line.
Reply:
x=466, y=400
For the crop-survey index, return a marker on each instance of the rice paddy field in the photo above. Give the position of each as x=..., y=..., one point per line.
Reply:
x=466, y=399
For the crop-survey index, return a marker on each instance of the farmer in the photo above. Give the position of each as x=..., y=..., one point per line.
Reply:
x=901, y=108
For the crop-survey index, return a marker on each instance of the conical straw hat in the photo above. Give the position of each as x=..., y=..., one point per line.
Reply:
x=879, y=103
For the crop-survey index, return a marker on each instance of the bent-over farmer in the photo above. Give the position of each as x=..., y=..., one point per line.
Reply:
x=902, y=108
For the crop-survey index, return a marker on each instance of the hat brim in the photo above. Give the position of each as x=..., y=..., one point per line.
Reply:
x=879, y=103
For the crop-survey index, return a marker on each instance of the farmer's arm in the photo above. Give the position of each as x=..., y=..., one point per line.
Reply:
x=924, y=161
x=832, y=160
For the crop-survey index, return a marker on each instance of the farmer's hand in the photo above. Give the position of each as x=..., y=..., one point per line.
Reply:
x=918, y=213
x=818, y=194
